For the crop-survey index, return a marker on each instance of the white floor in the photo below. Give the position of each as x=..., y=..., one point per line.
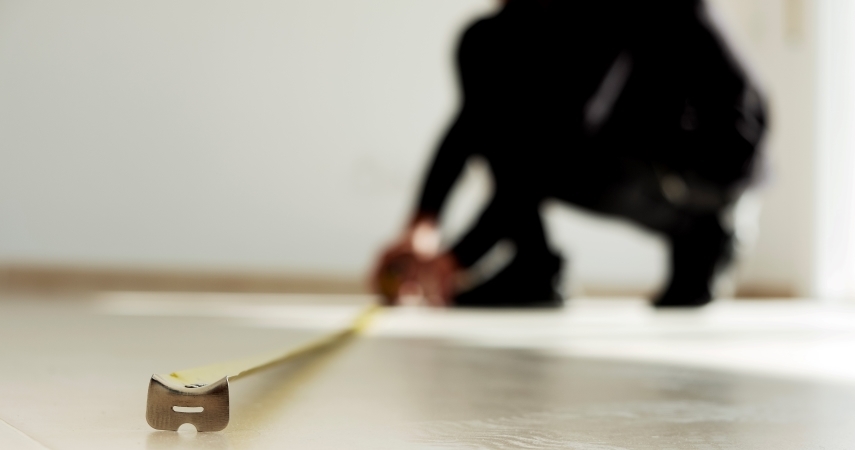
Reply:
x=598, y=374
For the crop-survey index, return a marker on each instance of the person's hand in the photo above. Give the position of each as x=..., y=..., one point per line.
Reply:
x=394, y=272
x=437, y=279
x=411, y=269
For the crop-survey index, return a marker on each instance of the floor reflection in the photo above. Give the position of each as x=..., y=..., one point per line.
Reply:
x=184, y=440
x=415, y=393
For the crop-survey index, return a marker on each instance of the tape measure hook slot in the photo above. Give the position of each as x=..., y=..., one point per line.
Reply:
x=165, y=393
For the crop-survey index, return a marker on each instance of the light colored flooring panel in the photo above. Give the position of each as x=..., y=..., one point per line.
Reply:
x=598, y=374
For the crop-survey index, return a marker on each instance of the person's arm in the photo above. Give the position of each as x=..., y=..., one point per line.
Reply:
x=420, y=242
x=461, y=140
x=414, y=260
x=444, y=170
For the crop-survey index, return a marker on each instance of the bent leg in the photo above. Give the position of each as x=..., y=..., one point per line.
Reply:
x=530, y=278
x=697, y=252
x=699, y=243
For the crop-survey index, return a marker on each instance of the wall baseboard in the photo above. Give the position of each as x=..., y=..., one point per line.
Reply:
x=742, y=292
x=770, y=291
x=18, y=277
x=74, y=278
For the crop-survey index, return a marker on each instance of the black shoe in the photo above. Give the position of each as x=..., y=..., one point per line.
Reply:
x=696, y=256
x=524, y=283
x=684, y=297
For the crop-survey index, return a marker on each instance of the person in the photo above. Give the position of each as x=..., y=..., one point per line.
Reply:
x=631, y=109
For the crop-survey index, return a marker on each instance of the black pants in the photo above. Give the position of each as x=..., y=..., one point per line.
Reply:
x=632, y=190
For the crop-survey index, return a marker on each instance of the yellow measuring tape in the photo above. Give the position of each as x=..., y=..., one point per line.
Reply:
x=200, y=396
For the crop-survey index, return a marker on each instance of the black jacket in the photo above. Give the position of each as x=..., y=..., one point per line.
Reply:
x=550, y=86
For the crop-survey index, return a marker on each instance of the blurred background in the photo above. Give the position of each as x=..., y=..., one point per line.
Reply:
x=276, y=146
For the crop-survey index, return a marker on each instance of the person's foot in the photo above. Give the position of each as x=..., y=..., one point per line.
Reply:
x=696, y=257
x=684, y=297
x=524, y=283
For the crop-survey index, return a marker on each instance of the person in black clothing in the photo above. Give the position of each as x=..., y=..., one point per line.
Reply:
x=629, y=108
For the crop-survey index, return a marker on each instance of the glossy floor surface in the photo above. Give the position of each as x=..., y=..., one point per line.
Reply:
x=598, y=374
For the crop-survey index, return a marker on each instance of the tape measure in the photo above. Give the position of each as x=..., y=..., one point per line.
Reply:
x=200, y=396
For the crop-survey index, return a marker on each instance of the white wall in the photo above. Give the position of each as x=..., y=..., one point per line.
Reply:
x=835, y=171
x=276, y=135
x=292, y=135
x=778, y=38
